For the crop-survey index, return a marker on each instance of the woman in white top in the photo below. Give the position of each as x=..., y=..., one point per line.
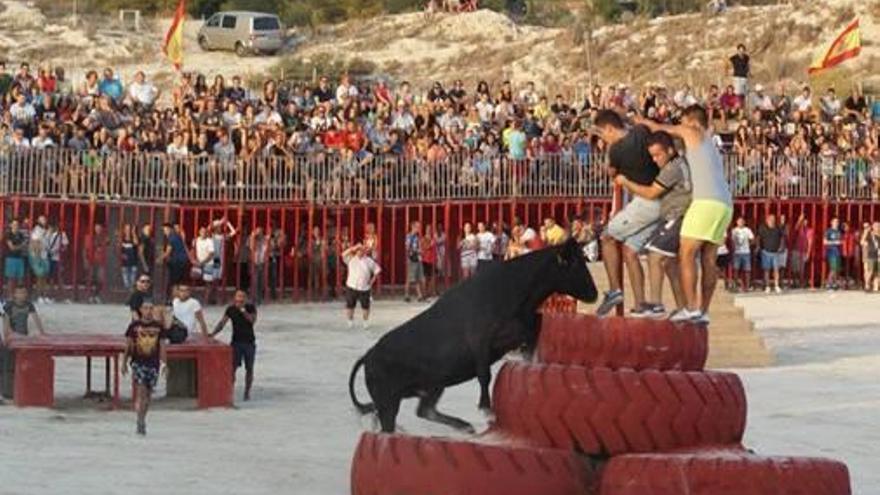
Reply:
x=468, y=246
x=203, y=246
x=221, y=231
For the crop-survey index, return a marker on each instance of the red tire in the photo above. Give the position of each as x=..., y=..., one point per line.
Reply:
x=559, y=303
x=393, y=464
x=606, y=412
x=614, y=342
x=728, y=472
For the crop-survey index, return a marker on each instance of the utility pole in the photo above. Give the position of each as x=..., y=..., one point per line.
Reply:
x=589, y=18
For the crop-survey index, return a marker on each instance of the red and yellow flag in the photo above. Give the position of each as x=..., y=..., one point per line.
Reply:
x=847, y=45
x=173, y=47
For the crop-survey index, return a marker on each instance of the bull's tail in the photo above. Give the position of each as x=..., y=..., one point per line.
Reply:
x=361, y=407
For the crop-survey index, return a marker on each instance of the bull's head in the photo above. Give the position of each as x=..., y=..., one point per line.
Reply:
x=570, y=274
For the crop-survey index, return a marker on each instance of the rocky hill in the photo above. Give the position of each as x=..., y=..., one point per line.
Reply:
x=483, y=45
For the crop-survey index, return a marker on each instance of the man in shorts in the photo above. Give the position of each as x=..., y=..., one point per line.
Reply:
x=740, y=65
x=244, y=343
x=771, y=239
x=414, y=271
x=708, y=216
x=672, y=187
x=629, y=229
x=16, y=251
x=363, y=272
x=742, y=237
x=146, y=355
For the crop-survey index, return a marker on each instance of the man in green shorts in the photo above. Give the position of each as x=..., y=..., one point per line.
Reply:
x=708, y=216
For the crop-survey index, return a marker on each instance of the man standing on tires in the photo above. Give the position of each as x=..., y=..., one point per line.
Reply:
x=708, y=216
x=672, y=187
x=630, y=228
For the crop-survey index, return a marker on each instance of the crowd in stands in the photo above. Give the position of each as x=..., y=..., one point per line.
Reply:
x=217, y=133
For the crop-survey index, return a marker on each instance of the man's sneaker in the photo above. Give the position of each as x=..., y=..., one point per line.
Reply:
x=778, y=290
x=656, y=311
x=141, y=428
x=643, y=311
x=703, y=319
x=350, y=324
x=685, y=315
x=612, y=299
x=366, y=325
x=767, y=290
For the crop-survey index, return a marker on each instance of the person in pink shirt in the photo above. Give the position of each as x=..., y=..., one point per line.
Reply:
x=801, y=252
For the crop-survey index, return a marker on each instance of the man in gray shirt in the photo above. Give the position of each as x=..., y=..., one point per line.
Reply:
x=672, y=187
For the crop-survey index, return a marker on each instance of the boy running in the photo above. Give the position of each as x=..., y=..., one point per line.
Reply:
x=244, y=343
x=146, y=354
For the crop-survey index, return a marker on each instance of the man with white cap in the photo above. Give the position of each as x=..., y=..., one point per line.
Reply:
x=763, y=103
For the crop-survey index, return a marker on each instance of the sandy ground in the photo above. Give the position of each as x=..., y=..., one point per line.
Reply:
x=299, y=432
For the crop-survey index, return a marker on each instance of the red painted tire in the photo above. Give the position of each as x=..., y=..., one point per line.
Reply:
x=559, y=303
x=606, y=412
x=393, y=464
x=727, y=472
x=615, y=342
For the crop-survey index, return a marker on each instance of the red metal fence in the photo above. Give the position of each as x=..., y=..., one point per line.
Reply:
x=302, y=276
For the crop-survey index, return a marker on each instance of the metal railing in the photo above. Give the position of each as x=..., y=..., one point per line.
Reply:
x=344, y=177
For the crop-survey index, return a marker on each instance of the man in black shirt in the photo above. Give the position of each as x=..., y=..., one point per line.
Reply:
x=632, y=226
x=855, y=106
x=771, y=240
x=142, y=292
x=324, y=93
x=244, y=346
x=741, y=70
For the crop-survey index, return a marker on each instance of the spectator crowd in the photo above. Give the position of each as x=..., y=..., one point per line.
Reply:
x=362, y=139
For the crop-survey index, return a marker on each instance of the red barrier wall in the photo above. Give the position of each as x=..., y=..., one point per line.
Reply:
x=390, y=220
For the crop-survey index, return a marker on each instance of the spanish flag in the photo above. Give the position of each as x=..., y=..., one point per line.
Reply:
x=173, y=47
x=847, y=45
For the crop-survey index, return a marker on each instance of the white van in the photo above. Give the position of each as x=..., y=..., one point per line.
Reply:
x=243, y=32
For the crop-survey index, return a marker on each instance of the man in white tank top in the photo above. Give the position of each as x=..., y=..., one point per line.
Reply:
x=709, y=214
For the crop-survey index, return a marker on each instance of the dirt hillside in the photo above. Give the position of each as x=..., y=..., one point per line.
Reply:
x=481, y=45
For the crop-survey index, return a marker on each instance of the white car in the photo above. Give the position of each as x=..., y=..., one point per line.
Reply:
x=243, y=32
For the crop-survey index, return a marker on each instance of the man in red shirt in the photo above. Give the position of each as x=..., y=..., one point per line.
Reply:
x=95, y=260
x=731, y=105
x=355, y=140
x=801, y=252
x=334, y=139
x=848, y=249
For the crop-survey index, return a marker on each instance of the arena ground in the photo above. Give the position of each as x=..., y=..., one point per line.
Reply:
x=299, y=432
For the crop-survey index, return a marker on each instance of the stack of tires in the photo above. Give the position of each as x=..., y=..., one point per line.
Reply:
x=559, y=303
x=610, y=407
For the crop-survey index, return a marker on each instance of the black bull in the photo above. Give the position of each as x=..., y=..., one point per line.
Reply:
x=470, y=327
